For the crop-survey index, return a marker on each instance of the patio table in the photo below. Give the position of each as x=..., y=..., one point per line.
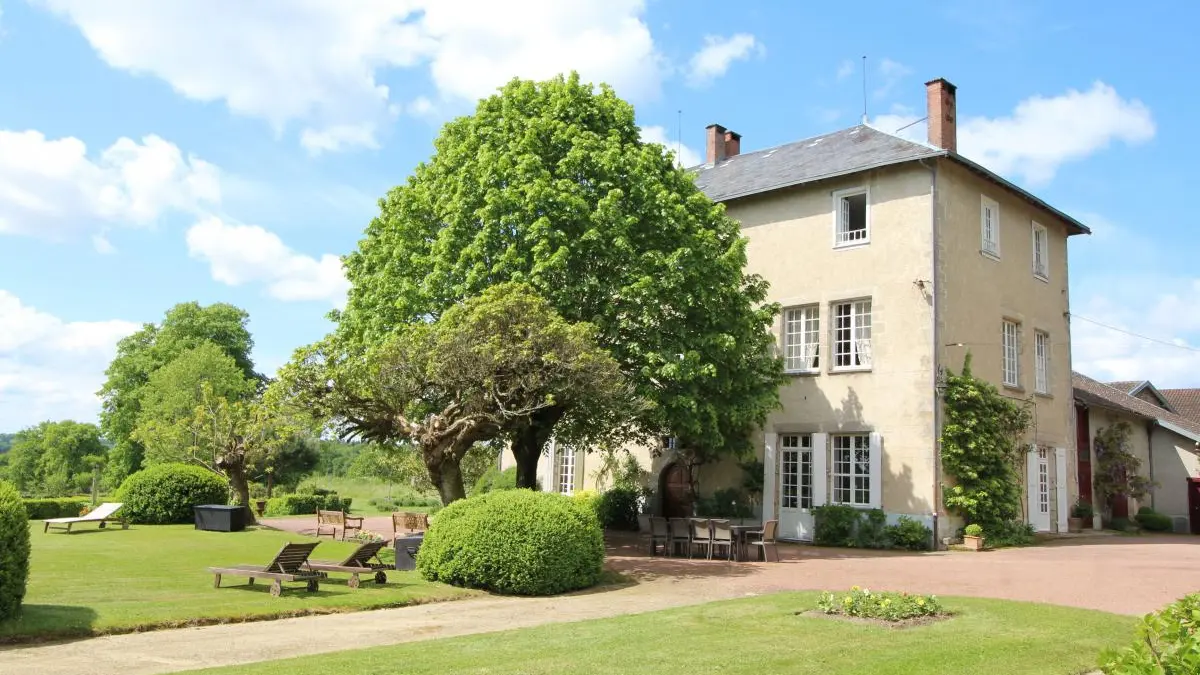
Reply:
x=741, y=544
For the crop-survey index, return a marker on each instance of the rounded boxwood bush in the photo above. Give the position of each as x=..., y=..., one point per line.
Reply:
x=14, y=550
x=166, y=493
x=517, y=542
x=1152, y=520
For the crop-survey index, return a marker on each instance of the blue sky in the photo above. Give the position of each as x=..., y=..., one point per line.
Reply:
x=157, y=152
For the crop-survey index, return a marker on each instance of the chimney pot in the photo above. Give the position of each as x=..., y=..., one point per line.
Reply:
x=714, y=148
x=733, y=144
x=941, y=99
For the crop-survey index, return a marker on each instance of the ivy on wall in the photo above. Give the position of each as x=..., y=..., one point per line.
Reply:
x=982, y=449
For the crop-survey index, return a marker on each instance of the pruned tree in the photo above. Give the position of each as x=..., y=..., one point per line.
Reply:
x=548, y=183
x=482, y=368
x=1117, y=471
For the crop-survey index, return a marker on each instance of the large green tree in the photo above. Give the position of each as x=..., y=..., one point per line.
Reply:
x=548, y=183
x=185, y=326
x=483, y=366
x=55, y=458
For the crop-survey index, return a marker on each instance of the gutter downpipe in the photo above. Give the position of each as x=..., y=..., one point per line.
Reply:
x=937, y=367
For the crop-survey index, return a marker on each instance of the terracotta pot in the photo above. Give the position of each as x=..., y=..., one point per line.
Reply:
x=973, y=543
x=1074, y=524
x=260, y=506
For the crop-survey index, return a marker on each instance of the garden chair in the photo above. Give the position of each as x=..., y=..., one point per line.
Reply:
x=409, y=523
x=681, y=536
x=364, y=560
x=328, y=523
x=660, y=534
x=766, y=544
x=722, y=535
x=102, y=514
x=288, y=565
x=701, y=536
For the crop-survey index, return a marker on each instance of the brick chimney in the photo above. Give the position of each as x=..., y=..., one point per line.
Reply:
x=941, y=99
x=733, y=144
x=716, y=144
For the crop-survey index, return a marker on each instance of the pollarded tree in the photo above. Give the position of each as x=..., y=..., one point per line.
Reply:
x=1117, y=468
x=483, y=366
x=549, y=184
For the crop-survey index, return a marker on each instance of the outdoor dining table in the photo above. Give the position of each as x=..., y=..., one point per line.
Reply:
x=741, y=539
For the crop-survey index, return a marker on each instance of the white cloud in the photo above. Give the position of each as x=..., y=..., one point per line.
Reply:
x=314, y=62
x=241, y=254
x=845, y=69
x=50, y=187
x=718, y=53
x=50, y=368
x=891, y=73
x=686, y=156
x=1042, y=133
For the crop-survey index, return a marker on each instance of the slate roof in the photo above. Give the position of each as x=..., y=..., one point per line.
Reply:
x=1091, y=392
x=859, y=148
x=1185, y=401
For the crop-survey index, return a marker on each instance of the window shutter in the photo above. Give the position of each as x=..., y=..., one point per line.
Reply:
x=550, y=475
x=1060, y=484
x=876, y=445
x=1031, y=481
x=820, y=469
x=579, y=469
x=770, y=470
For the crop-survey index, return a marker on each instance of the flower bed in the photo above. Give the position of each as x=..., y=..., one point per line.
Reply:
x=887, y=606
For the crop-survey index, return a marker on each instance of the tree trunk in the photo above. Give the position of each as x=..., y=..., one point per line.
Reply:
x=529, y=440
x=241, y=488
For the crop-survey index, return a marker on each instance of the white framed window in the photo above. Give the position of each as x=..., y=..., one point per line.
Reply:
x=1043, y=477
x=989, y=226
x=796, y=471
x=851, y=217
x=565, y=471
x=668, y=442
x=852, y=469
x=1011, y=340
x=852, y=335
x=1041, y=252
x=801, y=338
x=1041, y=362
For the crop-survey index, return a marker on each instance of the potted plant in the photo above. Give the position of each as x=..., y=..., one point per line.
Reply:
x=973, y=537
x=1082, y=511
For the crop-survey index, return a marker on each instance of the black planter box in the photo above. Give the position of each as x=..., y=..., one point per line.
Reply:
x=219, y=518
x=406, y=551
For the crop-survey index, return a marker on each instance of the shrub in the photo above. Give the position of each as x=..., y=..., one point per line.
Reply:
x=885, y=606
x=834, y=525
x=1152, y=520
x=516, y=542
x=405, y=497
x=58, y=507
x=973, y=530
x=166, y=493
x=1120, y=524
x=14, y=550
x=298, y=505
x=617, y=508
x=1010, y=533
x=871, y=531
x=1167, y=642
x=312, y=489
x=909, y=534
x=494, y=479
x=1083, y=509
x=726, y=503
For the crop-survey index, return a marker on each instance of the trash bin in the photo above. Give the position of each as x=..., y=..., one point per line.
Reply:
x=220, y=518
x=406, y=550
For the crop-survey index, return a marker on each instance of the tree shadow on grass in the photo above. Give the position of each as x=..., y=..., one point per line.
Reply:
x=45, y=623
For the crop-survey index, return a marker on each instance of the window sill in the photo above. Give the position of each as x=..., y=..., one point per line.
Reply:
x=1043, y=394
x=850, y=369
x=851, y=244
x=1041, y=277
x=802, y=373
x=990, y=255
x=1014, y=387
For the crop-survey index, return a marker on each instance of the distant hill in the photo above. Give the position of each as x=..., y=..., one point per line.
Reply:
x=6, y=441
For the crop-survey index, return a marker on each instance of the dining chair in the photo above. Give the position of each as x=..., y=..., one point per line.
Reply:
x=681, y=536
x=722, y=535
x=701, y=536
x=660, y=534
x=766, y=544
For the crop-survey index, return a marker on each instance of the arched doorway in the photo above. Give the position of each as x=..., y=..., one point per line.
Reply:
x=676, y=491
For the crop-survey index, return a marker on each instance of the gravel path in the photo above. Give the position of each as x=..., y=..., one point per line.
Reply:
x=1130, y=575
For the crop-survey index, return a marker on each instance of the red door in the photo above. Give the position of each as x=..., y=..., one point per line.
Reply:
x=1083, y=441
x=1194, y=504
x=676, y=492
x=1120, y=502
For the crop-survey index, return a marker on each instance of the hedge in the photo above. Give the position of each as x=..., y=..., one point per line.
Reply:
x=58, y=507
x=517, y=542
x=296, y=505
x=14, y=550
x=837, y=525
x=1152, y=520
x=166, y=493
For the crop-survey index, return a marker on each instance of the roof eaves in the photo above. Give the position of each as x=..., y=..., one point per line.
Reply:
x=1186, y=433
x=834, y=174
x=1004, y=182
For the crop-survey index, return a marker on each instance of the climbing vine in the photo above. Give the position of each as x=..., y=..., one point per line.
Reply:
x=1116, y=471
x=982, y=448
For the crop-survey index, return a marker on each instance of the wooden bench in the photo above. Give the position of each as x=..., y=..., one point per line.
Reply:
x=364, y=560
x=328, y=523
x=288, y=565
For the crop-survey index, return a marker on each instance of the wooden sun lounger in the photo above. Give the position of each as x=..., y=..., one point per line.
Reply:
x=358, y=562
x=103, y=514
x=288, y=565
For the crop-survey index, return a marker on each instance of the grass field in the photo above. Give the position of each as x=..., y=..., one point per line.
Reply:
x=751, y=637
x=363, y=491
x=113, y=580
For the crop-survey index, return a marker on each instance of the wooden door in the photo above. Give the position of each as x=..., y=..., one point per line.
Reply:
x=1194, y=504
x=676, y=492
x=1083, y=441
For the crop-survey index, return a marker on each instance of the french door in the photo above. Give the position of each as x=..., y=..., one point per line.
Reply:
x=796, y=486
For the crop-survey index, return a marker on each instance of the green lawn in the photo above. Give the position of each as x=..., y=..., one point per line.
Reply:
x=113, y=580
x=363, y=491
x=754, y=636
